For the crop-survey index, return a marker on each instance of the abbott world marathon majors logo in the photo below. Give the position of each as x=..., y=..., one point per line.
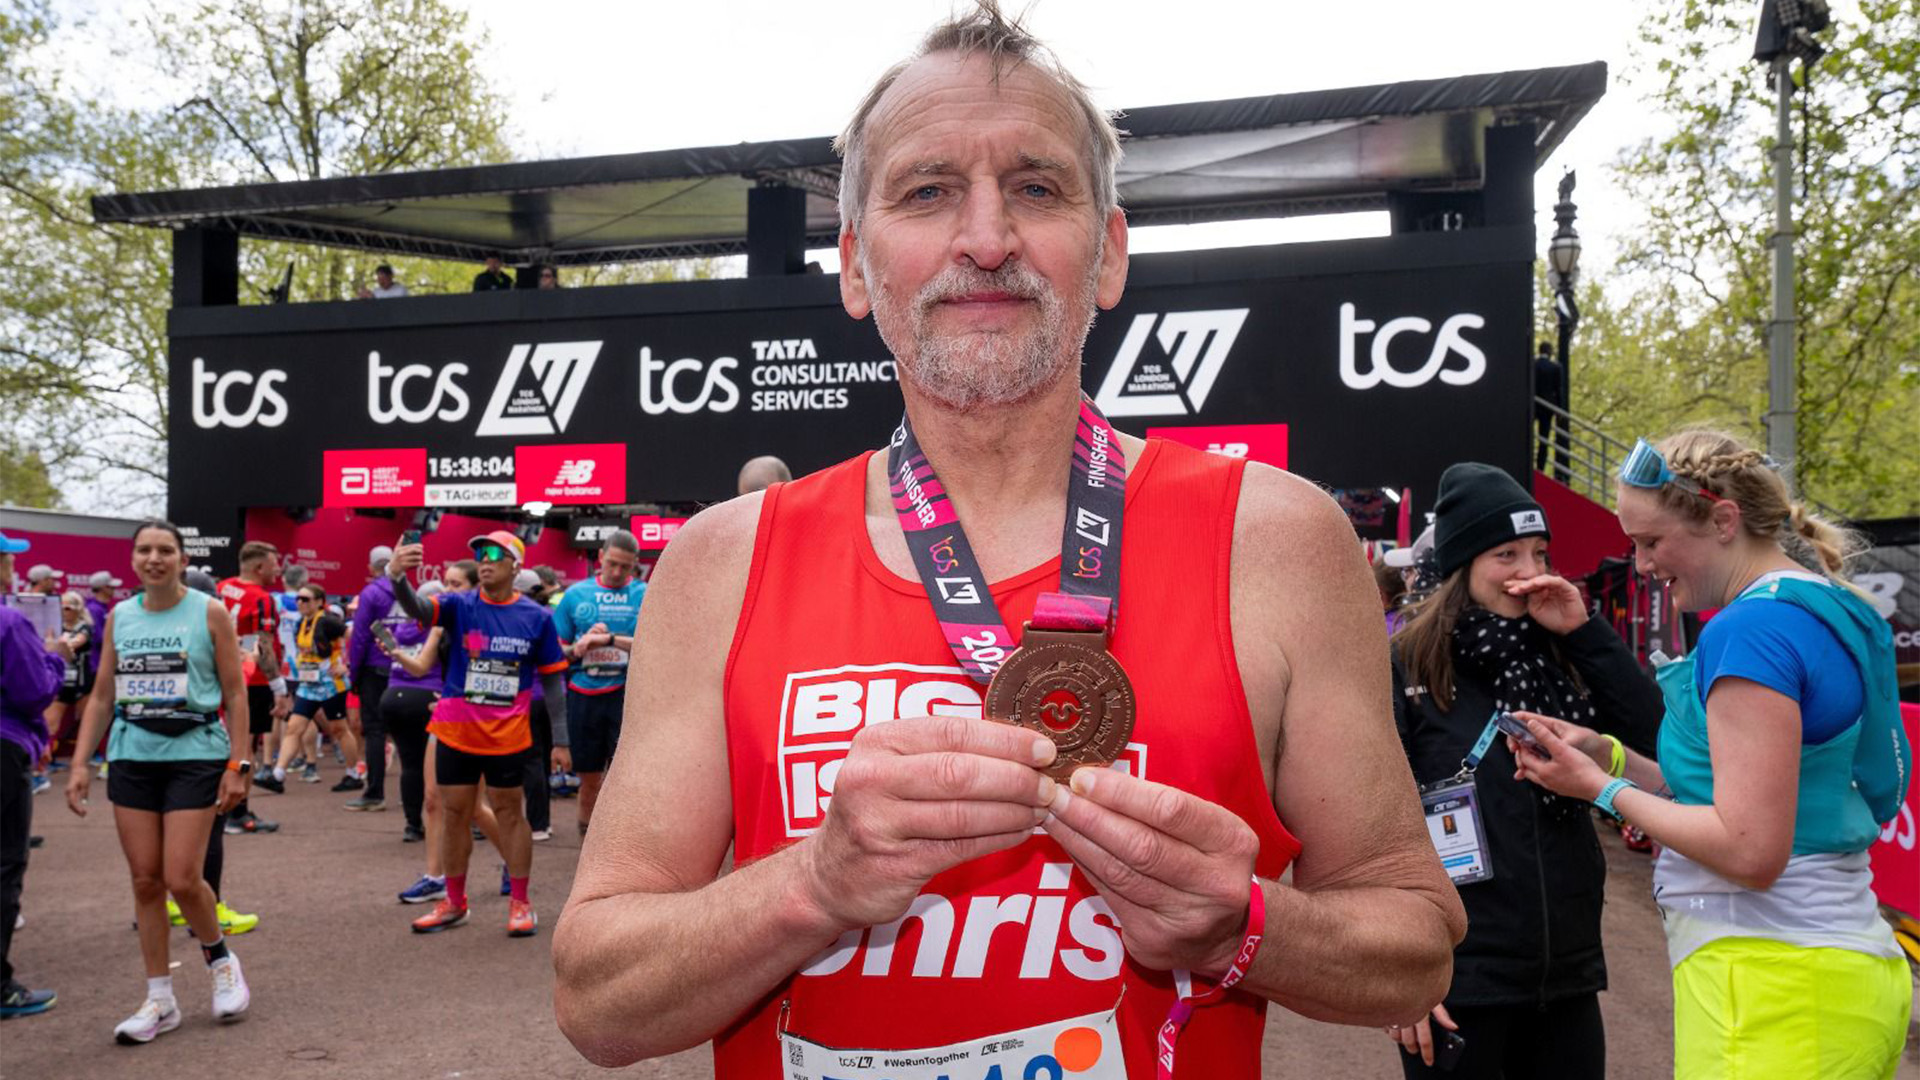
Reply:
x=786, y=375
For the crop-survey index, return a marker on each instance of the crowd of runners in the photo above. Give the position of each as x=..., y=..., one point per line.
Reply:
x=486, y=689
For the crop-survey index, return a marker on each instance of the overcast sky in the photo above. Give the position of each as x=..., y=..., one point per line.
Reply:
x=596, y=78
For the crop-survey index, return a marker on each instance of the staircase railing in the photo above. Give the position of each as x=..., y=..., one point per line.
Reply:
x=1578, y=454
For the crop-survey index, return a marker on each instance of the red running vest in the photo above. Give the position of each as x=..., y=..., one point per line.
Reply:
x=829, y=641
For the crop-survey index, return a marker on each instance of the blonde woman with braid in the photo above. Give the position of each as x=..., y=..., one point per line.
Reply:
x=1780, y=753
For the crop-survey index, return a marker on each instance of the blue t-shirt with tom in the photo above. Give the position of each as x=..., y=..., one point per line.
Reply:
x=603, y=668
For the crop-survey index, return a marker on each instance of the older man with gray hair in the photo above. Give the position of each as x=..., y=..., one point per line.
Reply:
x=919, y=889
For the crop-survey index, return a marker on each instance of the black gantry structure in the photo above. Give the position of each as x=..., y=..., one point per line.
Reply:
x=1439, y=154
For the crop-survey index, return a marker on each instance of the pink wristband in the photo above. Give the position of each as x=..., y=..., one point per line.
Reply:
x=1184, y=1007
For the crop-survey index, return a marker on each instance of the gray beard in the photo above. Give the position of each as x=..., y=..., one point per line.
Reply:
x=973, y=370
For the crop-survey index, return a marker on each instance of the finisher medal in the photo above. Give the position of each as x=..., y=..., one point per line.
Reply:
x=1062, y=682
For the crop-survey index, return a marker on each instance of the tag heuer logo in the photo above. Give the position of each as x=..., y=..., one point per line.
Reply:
x=1175, y=378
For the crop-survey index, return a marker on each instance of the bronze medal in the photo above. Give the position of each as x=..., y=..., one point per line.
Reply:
x=1066, y=686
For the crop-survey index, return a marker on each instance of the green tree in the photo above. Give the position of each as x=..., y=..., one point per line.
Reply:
x=1682, y=337
x=256, y=90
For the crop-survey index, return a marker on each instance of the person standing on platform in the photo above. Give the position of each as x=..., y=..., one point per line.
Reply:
x=1550, y=431
x=174, y=662
x=596, y=620
x=30, y=677
x=499, y=644
x=814, y=662
x=493, y=278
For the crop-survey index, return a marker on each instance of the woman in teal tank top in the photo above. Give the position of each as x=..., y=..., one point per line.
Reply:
x=1780, y=752
x=169, y=664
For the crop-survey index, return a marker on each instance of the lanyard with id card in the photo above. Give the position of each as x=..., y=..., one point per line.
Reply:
x=1452, y=810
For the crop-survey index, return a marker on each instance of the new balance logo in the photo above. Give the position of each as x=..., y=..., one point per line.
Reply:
x=1528, y=521
x=1175, y=379
x=546, y=403
x=574, y=472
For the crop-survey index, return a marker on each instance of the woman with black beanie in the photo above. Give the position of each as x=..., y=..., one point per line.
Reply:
x=1501, y=633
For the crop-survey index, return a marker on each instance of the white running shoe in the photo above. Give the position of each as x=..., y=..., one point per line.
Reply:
x=230, y=996
x=148, y=1023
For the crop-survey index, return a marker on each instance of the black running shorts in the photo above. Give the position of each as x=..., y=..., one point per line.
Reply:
x=459, y=768
x=593, y=726
x=162, y=787
x=259, y=710
x=335, y=706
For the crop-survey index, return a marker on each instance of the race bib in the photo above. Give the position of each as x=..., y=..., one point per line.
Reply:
x=606, y=662
x=151, y=684
x=491, y=682
x=1083, y=1048
x=1453, y=823
x=306, y=671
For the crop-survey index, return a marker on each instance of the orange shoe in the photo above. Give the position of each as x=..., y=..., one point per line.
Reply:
x=444, y=916
x=521, y=921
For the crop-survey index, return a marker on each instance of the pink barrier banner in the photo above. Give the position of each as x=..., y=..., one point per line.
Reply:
x=1896, y=857
x=335, y=544
x=75, y=558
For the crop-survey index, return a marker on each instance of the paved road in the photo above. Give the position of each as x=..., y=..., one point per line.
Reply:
x=342, y=989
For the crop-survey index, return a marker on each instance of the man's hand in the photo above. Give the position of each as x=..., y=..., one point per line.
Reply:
x=405, y=558
x=282, y=706
x=1175, y=868
x=915, y=797
x=562, y=759
x=592, y=639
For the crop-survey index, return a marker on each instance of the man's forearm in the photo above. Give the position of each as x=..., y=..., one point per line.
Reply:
x=1368, y=956
x=410, y=601
x=641, y=975
x=553, y=687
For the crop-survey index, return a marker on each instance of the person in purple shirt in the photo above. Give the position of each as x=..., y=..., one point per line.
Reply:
x=100, y=600
x=30, y=676
x=368, y=662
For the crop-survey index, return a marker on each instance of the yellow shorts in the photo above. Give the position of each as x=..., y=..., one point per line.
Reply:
x=1753, y=1009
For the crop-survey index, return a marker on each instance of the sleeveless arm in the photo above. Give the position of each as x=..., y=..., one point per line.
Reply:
x=653, y=954
x=1365, y=932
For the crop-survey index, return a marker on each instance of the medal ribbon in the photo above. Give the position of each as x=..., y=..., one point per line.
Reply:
x=1187, y=1002
x=1089, y=546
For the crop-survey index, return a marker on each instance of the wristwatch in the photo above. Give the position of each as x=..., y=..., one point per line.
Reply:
x=1604, y=801
x=243, y=766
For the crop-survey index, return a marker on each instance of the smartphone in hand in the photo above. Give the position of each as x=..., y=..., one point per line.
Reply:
x=1451, y=1047
x=1511, y=725
x=411, y=536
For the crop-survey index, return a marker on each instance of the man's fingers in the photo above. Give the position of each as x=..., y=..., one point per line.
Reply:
x=951, y=775
x=931, y=734
x=1186, y=817
x=1424, y=1031
x=960, y=820
x=1110, y=872
x=1445, y=1018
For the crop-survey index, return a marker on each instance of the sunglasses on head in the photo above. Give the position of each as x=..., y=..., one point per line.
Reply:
x=1645, y=468
x=491, y=553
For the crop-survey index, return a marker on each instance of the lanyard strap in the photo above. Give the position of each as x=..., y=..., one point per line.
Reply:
x=1089, y=546
x=1480, y=746
x=1187, y=1002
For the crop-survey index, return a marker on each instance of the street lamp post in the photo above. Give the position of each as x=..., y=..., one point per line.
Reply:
x=1563, y=272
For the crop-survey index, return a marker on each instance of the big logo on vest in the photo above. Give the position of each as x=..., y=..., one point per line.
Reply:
x=821, y=711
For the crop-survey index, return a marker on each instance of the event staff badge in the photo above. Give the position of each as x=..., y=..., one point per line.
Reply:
x=1060, y=680
x=1452, y=809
